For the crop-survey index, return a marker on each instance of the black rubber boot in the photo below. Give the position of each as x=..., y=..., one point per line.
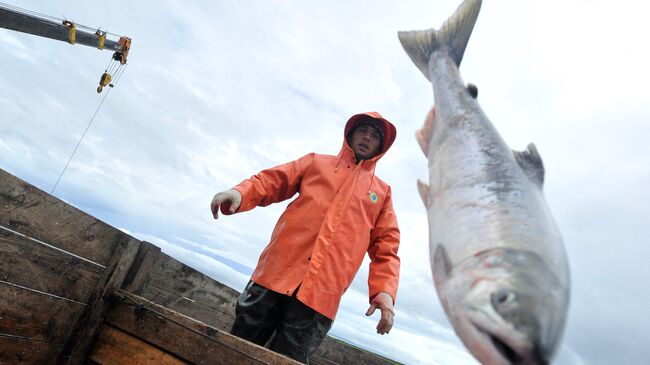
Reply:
x=300, y=332
x=257, y=313
x=298, y=329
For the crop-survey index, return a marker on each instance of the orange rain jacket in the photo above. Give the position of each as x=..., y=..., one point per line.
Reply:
x=319, y=242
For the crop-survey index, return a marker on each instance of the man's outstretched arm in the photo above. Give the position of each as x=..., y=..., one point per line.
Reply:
x=383, y=276
x=269, y=186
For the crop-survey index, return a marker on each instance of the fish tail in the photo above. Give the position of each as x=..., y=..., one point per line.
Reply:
x=452, y=37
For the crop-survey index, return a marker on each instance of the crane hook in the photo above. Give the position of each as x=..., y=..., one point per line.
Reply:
x=104, y=80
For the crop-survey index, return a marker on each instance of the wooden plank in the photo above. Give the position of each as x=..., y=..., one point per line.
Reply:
x=32, y=212
x=333, y=351
x=33, y=315
x=33, y=265
x=146, y=259
x=85, y=330
x=183, y=289
x=114, y=347
x=185, y=281
x=185, y=337
x=19, y=351
x=213, y=316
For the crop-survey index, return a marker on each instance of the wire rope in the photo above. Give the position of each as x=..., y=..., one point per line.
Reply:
x=84, y=133
x=113, y=66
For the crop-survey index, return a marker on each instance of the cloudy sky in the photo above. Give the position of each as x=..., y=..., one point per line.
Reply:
x=216, y=91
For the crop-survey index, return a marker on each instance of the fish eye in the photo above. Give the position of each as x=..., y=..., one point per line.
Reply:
x=503, y=296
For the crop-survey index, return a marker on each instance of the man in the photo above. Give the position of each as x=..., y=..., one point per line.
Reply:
x=319, y=242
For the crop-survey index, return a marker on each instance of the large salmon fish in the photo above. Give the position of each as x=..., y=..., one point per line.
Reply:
x=498, y=261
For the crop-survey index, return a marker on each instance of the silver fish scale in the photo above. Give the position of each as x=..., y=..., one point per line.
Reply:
x=480, y=196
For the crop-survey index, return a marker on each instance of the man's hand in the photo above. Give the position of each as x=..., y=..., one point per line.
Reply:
x=228, y=200
x=384, y=302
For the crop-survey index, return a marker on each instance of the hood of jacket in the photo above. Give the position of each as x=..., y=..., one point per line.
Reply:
x=390, y=133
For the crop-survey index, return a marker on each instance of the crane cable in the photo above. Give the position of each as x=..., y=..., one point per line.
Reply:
x=113, y=66
x=119, y=75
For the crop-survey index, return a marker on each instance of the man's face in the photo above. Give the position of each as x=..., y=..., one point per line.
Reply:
x=365, y=142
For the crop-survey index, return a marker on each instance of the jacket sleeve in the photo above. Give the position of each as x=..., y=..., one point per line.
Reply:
x=384, y=262
x=274, y=184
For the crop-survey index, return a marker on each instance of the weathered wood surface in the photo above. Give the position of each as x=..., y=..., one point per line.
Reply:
x=333, y=351
x=147, y=257
x=114, y=347
x=58, y=264
x=205, y=313
x=183, y=289
x=19, y=351
x=86, y=327
x=186, y=338
x=28, y=263
x=36, y=316
x=32, y=212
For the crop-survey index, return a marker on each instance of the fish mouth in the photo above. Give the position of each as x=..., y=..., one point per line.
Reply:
x=498, y=350
x=505, y=350
x=500, y=343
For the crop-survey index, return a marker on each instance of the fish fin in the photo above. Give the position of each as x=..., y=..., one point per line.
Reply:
x=441, y=266
x=452, y=36
x=531, y=162
x=424, y=190
x=423, y=135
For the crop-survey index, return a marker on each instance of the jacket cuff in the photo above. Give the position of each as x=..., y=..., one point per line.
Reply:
x=245, y=202
x=372, y=296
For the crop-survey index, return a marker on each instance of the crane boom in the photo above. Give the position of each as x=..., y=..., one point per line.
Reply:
x=49, y=29
x=21, y=21
x=65, y=31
